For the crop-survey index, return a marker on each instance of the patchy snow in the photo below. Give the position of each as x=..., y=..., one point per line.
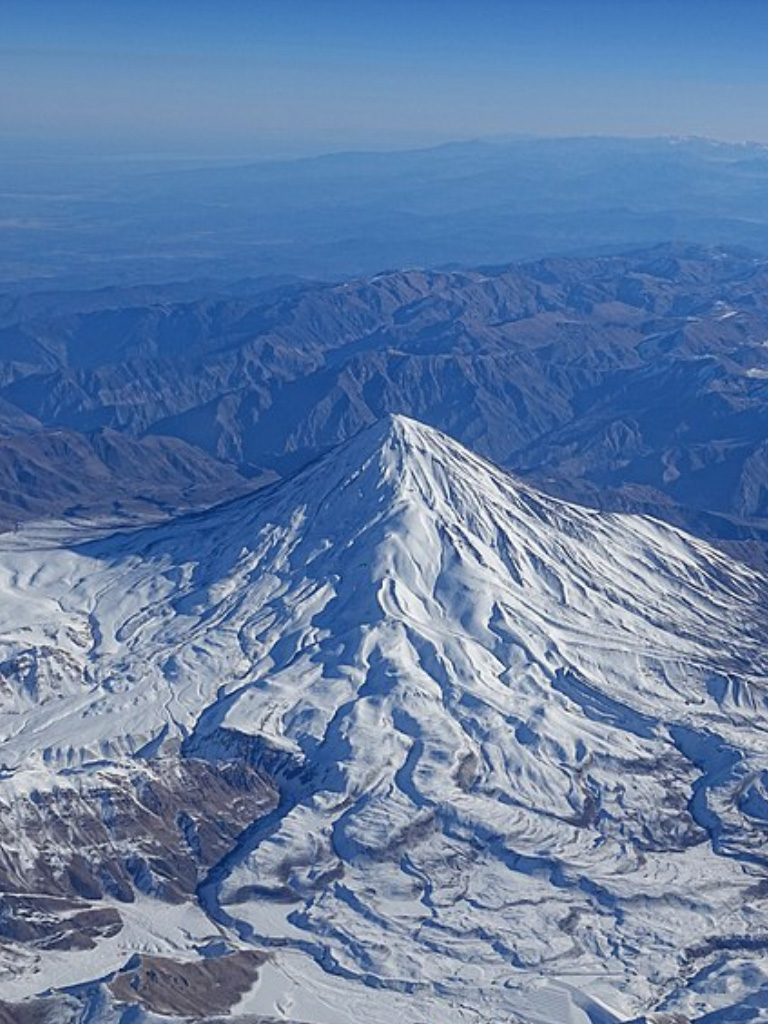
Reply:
x=148, y=927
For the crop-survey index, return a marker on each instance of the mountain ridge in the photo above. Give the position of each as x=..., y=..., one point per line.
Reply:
x=633, y=383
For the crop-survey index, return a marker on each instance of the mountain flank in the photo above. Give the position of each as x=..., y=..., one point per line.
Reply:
x=495, y=755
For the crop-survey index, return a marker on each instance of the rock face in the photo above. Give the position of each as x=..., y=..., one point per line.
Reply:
x=153, y=989
x=634, y=382
x=518, y=746
x=79, y=850
x=172, y=989
x=115, y=830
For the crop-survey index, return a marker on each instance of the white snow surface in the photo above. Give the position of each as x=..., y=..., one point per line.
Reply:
x=522, y=746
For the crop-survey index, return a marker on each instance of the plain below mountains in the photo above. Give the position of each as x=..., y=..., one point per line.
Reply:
x=89, y=223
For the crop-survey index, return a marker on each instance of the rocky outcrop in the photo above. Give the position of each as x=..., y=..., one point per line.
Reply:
x=193, y=990
x=122, y=829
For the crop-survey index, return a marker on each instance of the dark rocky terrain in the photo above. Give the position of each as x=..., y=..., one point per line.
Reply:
x=64, y=473
x=633, y=382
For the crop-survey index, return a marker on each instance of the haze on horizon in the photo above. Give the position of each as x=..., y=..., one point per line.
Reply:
x=293, y=77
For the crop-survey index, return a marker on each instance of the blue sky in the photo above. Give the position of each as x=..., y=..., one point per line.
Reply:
x=267, y=77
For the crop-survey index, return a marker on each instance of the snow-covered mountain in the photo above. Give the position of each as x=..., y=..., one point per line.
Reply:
x=473, y=754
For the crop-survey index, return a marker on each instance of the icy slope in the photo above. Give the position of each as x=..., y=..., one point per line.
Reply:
x=521, y=747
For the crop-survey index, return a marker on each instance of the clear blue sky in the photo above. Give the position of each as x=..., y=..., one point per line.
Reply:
x=285, y=76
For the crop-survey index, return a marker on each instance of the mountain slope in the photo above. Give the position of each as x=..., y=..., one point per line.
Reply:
x=519, y=746
x=61, y=473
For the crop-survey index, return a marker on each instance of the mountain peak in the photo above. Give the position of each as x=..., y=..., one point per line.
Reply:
x=401, y=452
x=396, y=429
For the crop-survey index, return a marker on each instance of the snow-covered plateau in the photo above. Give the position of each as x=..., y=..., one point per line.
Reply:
x=440, y=747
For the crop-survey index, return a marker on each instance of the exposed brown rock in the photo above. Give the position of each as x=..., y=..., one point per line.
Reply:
x=154, y=828
x=168, y=987
x=51, y=923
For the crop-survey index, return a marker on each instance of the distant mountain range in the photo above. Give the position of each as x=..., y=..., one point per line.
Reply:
x=633, y=382
x=397, y=739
